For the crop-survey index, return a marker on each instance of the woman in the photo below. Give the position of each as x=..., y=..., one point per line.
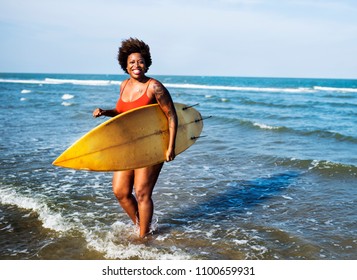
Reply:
x=139, y=90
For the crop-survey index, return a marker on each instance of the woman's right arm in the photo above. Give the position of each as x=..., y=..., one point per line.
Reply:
x=108, y=113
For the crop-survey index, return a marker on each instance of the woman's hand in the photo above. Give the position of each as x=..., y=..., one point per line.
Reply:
x=170, y=154
x=98, y=112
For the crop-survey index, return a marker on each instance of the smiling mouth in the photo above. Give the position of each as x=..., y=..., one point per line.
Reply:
x=137, y=71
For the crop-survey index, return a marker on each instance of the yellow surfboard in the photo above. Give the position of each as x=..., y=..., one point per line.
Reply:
x=134, y=139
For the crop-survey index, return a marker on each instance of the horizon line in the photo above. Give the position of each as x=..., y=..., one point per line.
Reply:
x=189, y=75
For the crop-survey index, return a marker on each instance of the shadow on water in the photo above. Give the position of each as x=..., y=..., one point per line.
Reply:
x=237, y=198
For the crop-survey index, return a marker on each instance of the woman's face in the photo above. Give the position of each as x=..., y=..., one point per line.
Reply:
x=136, y=66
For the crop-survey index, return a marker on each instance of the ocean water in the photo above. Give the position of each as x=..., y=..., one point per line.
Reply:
x=274, y=177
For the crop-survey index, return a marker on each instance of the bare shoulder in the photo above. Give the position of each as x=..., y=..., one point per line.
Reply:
x=162, y=95
x=123, y=84
x=157, y=89
x=156, y=85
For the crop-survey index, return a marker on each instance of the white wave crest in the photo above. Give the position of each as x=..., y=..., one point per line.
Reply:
x=335, y=89
x=63, y=81
x=238, y=88
x=265, y=126
x=49, y=218
x=67, y=96
x=82, y=82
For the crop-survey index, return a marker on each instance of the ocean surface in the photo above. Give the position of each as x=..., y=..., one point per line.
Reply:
x=274, y=177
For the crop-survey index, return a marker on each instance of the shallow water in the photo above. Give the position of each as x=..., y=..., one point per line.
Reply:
x=273, y=178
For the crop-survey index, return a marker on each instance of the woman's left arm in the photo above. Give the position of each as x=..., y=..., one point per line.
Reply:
x=166, y=104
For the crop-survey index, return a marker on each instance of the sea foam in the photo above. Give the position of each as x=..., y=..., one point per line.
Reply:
x=82, y=82
x=121, y=242
x=50, y=219
x=335, y=89
x=67, y=96
x=265, y=126
x=64, y=103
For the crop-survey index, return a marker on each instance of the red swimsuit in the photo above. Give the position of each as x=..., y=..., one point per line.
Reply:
x=143, y=100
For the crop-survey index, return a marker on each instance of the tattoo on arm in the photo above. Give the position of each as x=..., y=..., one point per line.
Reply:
x=164, y=99
x=161, y=94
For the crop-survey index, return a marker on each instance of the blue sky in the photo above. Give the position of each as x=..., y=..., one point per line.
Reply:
x=271, y=38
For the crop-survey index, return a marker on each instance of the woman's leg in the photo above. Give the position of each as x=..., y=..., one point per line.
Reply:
x=145, y=180
x=123, y=190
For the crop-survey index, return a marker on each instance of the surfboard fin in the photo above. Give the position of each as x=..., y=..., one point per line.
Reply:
x=187, y=107
x=201, y=119
x=196, y=137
